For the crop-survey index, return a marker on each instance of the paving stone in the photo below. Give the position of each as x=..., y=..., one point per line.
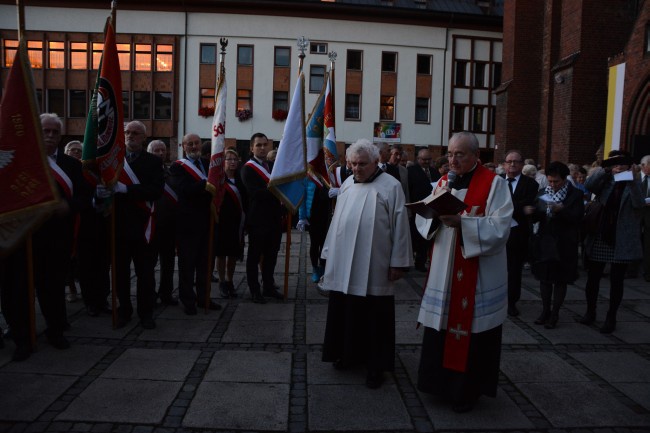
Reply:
x=315, y=332
x=538, y=367
x=577, y=404
x=639, y=392
x=122, y=400
x=75, y=361
x=188, y=330
x=241, y=406
x=499, y=413
x=407, y=313
x=513, y=334
x=411, y=363
x=355, y=407
x=616, y=366
x=98, y=327
x=633, y=332
x=249, y=366
x=574, y=333
x=406, y=333
x=316, y=312
x=176, y=312
x=262, y=331
x=319, y=372
x=254, y=312
x=30, y=394
x=152, y=364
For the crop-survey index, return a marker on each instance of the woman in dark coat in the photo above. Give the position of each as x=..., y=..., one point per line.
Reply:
x=558, y=209
x=618, y=239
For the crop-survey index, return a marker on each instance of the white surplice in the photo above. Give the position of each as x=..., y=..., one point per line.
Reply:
x=484, y=237
x=369, y=233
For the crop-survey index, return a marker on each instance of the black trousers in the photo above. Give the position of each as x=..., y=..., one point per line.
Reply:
x=166, y=239
x=14, y=296
x=616, y=279
x=192, y=265
x=517, y=251
x=143, y=256
x=262, y=244
x=93, y=257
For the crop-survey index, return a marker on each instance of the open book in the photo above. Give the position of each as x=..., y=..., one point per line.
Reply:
x=441, y=203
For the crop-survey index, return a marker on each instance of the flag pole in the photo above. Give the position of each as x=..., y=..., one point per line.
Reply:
x=113, y=204
x=332, y=56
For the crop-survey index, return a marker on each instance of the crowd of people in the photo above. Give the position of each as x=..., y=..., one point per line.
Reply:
x=363, y=239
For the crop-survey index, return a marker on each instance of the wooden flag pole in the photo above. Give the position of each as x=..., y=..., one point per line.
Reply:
x=111, y=234
x=208, y=280
x=287, y=254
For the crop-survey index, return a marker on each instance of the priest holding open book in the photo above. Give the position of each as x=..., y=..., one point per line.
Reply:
x=465, y=299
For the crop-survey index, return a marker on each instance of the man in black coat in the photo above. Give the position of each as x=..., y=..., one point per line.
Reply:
x=263, y=221
x=523, y=190
x=420, y=177
x=141, y=184
x=189, y=176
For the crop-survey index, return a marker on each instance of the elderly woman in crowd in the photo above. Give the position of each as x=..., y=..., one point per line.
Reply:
x=617, y=240
x=559, y=209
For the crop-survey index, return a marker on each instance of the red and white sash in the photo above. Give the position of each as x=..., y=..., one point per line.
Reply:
x=192, y=169
x=233, y=192
x=264, y=174
x=61, y=178
x=170, y=193
x=128, y=177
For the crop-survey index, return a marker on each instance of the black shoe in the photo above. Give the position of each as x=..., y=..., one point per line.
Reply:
x=512, y=311
x=374, y=380
x=609, y=326
x=223, y=290
x=258, y=298
x=588, y=318
x=552, y=322
x=92, y=311
x=58, y=342
x=273, y=292
x=231, y=289
x=148, y=323
x=22, y=352
x=190, y=310
x=122, y=321
x=542, y=318
x=211, y=306
x=168, y=300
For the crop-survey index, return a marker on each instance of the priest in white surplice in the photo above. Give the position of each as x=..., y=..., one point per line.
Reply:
x=367, y=248
x=465, y=299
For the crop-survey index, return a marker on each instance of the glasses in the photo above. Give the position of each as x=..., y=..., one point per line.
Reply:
x=514, y=161
x=231, y=160
x=74, y=150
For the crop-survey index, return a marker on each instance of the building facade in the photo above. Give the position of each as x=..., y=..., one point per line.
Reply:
x=429, y=67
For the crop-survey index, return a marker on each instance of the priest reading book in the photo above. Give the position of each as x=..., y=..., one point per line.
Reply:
x=440, y=203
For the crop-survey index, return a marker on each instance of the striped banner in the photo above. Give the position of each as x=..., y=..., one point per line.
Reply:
x=614, y=108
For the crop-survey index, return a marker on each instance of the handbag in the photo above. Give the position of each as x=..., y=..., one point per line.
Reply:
x=593, y=216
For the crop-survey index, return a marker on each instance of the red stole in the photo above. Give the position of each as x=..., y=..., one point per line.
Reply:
x=128, y=177
x=264, y=174
x=233, y=192
x=463, y=280
x=61, y=178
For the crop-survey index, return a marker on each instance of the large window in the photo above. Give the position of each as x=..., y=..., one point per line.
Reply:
x=282, y=56
x=354, y=60
x=479, y=119
x=164, y=57
x=163, y=105
x=77, y=103
x=124, y=54
x=496, y=75
x=480, y=72
x=10, y=48
x=208, y=53
x=388, y=62
x=422, y=110
x=316, y=78
x=142, y=105
x=387, y=108
x=352, y=106
x=459, y=117
x=244, y=99
x=245, y=55
x=142, y=57
x=207, y=97
x=56, y=55
x=35, y=53
x=78, y=55
x=424, y=64
x=281, y=101
x=461, y=74
x=56, y=102
x=98, y=48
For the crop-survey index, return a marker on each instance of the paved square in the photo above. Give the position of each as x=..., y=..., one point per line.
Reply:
x=25, y=396
x=249, y=366
x=152, y=364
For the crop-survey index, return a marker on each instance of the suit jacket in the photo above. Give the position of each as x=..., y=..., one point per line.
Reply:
x=193, y=210
x=524, y=195
x=419, y=184
x=131, y=216
x=404, y=180
x=393, y=171
x=264, y=209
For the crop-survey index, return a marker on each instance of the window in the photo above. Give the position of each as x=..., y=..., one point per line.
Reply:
x=142, y=57
x=207, y=98
x=316, y=78
x=459, y=118
x=124, y=55
x=461, y=71
x=78, y=55
x=422, y=110
x=388, y=62
x=77, y=103
x=245, y=55
x=162, y=105
x=281, y=101
x=354, y=60
x=493, y=122
x=126, y=99
x=318, y=48
x=208, y=53
x=142, y=105
x=164, y=58
x=282, y=56
x=424, y=64
x=98, y=48
x=352, y=106
x=387, y=108
x=479, y=124
x=56, y=59
x=55, y=101
x=496, y=75
x=479, y=75
x=35, y=53
x=10, y=48
x=244, y=99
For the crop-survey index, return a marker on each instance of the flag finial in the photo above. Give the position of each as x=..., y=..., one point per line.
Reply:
x=302, y=43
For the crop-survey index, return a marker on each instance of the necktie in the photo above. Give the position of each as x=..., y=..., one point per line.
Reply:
x=645, y=186
x=266, y=166
x=428, y=173
x=382, y=166
x=130, y=156
x=197, y=162
x=510, y=180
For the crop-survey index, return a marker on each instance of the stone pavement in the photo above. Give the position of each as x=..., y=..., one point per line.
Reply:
x=254, y=367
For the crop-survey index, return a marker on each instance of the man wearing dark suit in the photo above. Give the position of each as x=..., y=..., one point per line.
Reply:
x=263, y=221
x=52, y=248
x=402, y=173
x=420, y=177
x=523, y=190
x=189, y=176
x=141, y=184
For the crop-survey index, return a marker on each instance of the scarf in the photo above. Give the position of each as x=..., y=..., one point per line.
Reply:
x=556, y=197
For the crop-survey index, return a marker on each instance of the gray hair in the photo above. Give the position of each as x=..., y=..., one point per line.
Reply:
x=155, y=143
x=363, y=145
x=471, y=140
x=137, y=122
x=69, y=145
x=645, y=160
x=54, y=117
x=529, y=169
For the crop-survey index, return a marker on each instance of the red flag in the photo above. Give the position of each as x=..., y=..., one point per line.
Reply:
x=110, y=132
x=26, y=186
x=216, y=173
